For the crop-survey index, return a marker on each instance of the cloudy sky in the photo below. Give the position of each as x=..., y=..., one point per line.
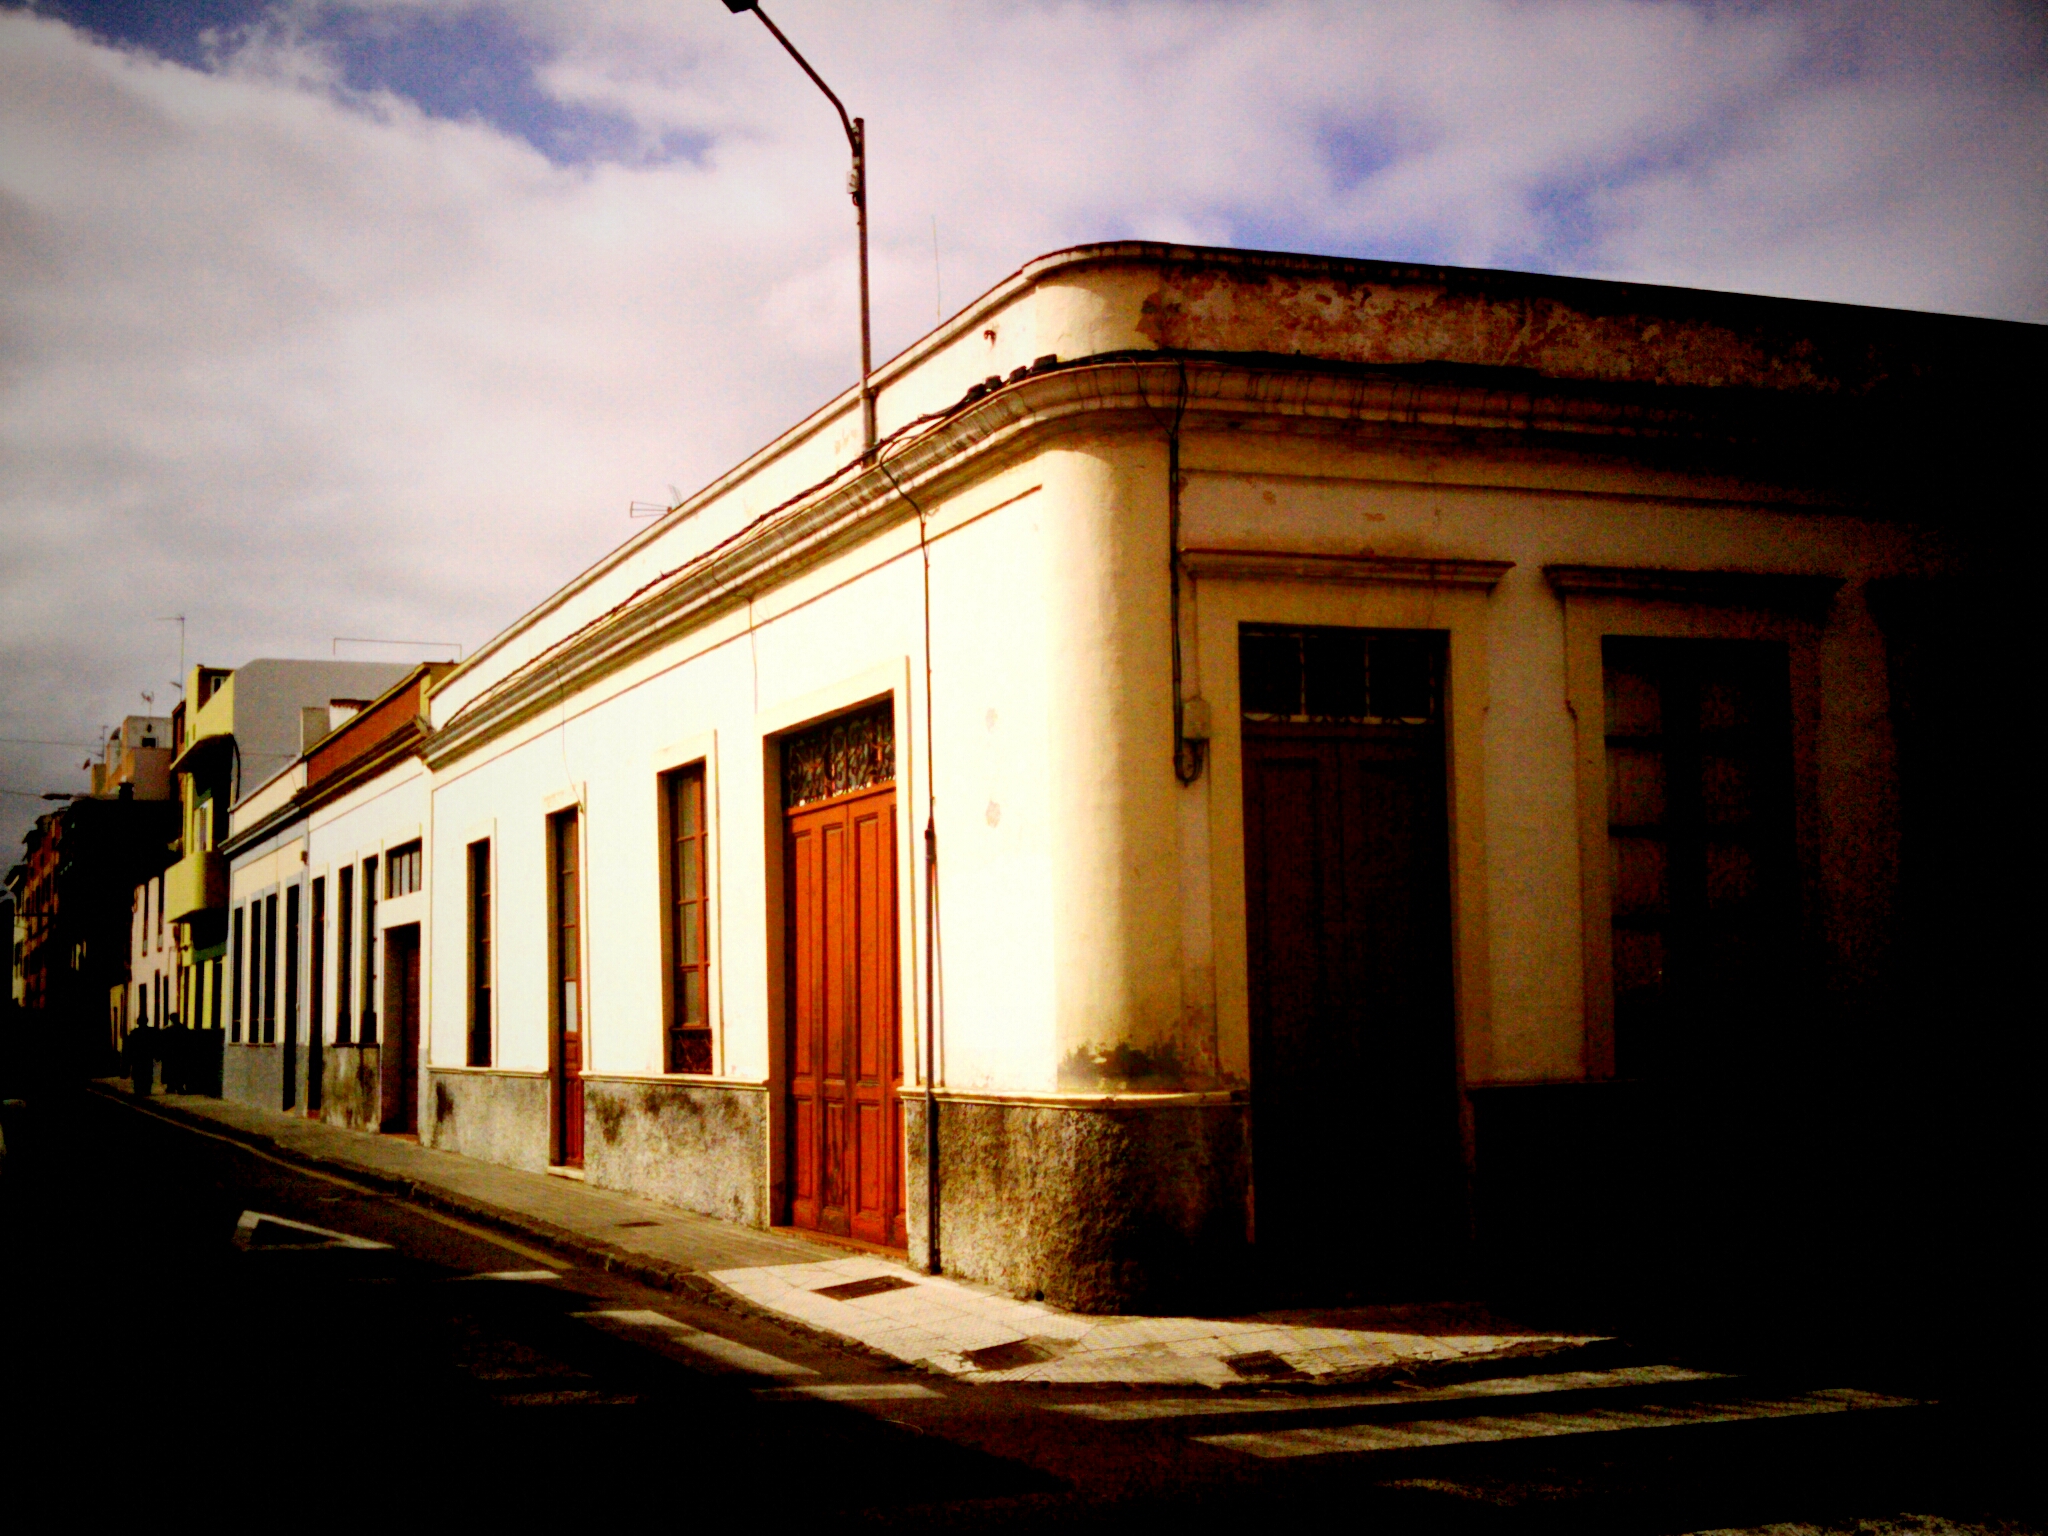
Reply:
x=370, y=318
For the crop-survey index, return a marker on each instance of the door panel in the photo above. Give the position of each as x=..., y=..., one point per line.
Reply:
x=844, y=1054
x=399, y=1062
x=566, y=968
x=1358, y=1168
x=806, y=991
x=409, y=1038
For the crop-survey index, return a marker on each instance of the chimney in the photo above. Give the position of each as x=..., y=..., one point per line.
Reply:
x=313, y=726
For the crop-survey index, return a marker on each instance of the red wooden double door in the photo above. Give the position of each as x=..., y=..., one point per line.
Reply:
x=844, y=1047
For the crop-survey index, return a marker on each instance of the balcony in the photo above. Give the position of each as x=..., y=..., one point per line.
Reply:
x=195, y=884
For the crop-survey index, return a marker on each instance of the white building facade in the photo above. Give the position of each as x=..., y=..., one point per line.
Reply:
x=1272, y=740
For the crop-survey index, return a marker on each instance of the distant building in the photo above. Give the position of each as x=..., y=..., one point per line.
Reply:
x=74, y=902
x=236, y=731
x=326, y=881
x=135, y=758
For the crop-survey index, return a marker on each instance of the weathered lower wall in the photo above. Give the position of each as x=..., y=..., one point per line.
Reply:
x=701, y=1146
x=1099, y=1208
x=349, y=1093
x=496, y=1117
x=253, y=1074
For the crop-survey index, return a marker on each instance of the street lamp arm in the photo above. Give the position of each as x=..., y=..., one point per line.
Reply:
x=845, y=121
x=857, y=185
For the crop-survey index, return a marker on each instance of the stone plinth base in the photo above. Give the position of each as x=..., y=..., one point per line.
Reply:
x=1096, y=1205
x=495, y=1117
x=350, y=1093
x=700, y=1146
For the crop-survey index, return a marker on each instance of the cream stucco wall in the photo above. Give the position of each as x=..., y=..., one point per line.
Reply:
x=1089, y=900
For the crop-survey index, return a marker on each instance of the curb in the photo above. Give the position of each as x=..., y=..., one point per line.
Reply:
x=657, y=1273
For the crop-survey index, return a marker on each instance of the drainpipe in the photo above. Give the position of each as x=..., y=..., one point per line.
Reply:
x=931, y=931
x=931, y=906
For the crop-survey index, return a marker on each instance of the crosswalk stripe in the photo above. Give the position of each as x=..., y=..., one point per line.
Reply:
x=726, y=1351
x=1498, y=1386
x=1417, y=1434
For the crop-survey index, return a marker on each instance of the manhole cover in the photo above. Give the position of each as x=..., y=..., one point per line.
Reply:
x=853, y=1290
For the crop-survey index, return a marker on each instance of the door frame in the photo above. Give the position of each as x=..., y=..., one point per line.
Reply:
x=889, y=680
x=1451, y=597
x=396, y=1111
x=570, y=805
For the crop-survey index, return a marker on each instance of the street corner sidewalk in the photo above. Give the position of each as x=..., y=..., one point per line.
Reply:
x=977, y=1334
x=957, y=1328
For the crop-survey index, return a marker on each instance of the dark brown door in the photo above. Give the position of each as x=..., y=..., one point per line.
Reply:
x=568, y=969
x=1357, y=1165
x=400, y=1067
x=844, y=1050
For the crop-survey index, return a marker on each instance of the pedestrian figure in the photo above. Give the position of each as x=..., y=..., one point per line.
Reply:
x=142, y=1059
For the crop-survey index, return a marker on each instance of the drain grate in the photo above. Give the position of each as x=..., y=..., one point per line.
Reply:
x=853, y=1290
x=1007, y=1357
x=1261, y=1365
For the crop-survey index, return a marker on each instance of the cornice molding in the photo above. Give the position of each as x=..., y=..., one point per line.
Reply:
x=1806, y=596
x=358, y=771
x=1137, y=392
x=1399, y=570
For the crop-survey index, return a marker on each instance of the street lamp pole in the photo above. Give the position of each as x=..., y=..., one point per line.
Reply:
x=857, y=185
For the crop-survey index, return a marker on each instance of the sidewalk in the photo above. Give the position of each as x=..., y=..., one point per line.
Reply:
x=967, y=1331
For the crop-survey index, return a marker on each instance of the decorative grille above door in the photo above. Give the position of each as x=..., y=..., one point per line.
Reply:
x=853, y=752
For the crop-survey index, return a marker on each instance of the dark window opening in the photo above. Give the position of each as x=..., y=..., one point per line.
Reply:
x=1700, y=850
x=689, y=1027
x=270, y=969
x=344, y=953
x=316, y=964
x=402, y=870
x=480, y=953
x=1339, y=676
x=235, y=978
x=366, y=997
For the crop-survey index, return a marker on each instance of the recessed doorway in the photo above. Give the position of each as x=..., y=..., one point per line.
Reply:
x=1357, y=1157
x=843, y=1046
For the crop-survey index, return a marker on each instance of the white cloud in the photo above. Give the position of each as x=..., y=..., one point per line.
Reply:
x=301, y=361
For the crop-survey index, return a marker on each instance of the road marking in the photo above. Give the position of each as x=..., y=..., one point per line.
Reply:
x=481, y=1234
x=850, y=1392
x=306, y=1235
x=725, y=1351
x=1418, y=1434
x=1498, y=1386
x=513, y=1274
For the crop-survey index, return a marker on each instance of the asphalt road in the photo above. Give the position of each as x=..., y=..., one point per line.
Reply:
x=190, y=1322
